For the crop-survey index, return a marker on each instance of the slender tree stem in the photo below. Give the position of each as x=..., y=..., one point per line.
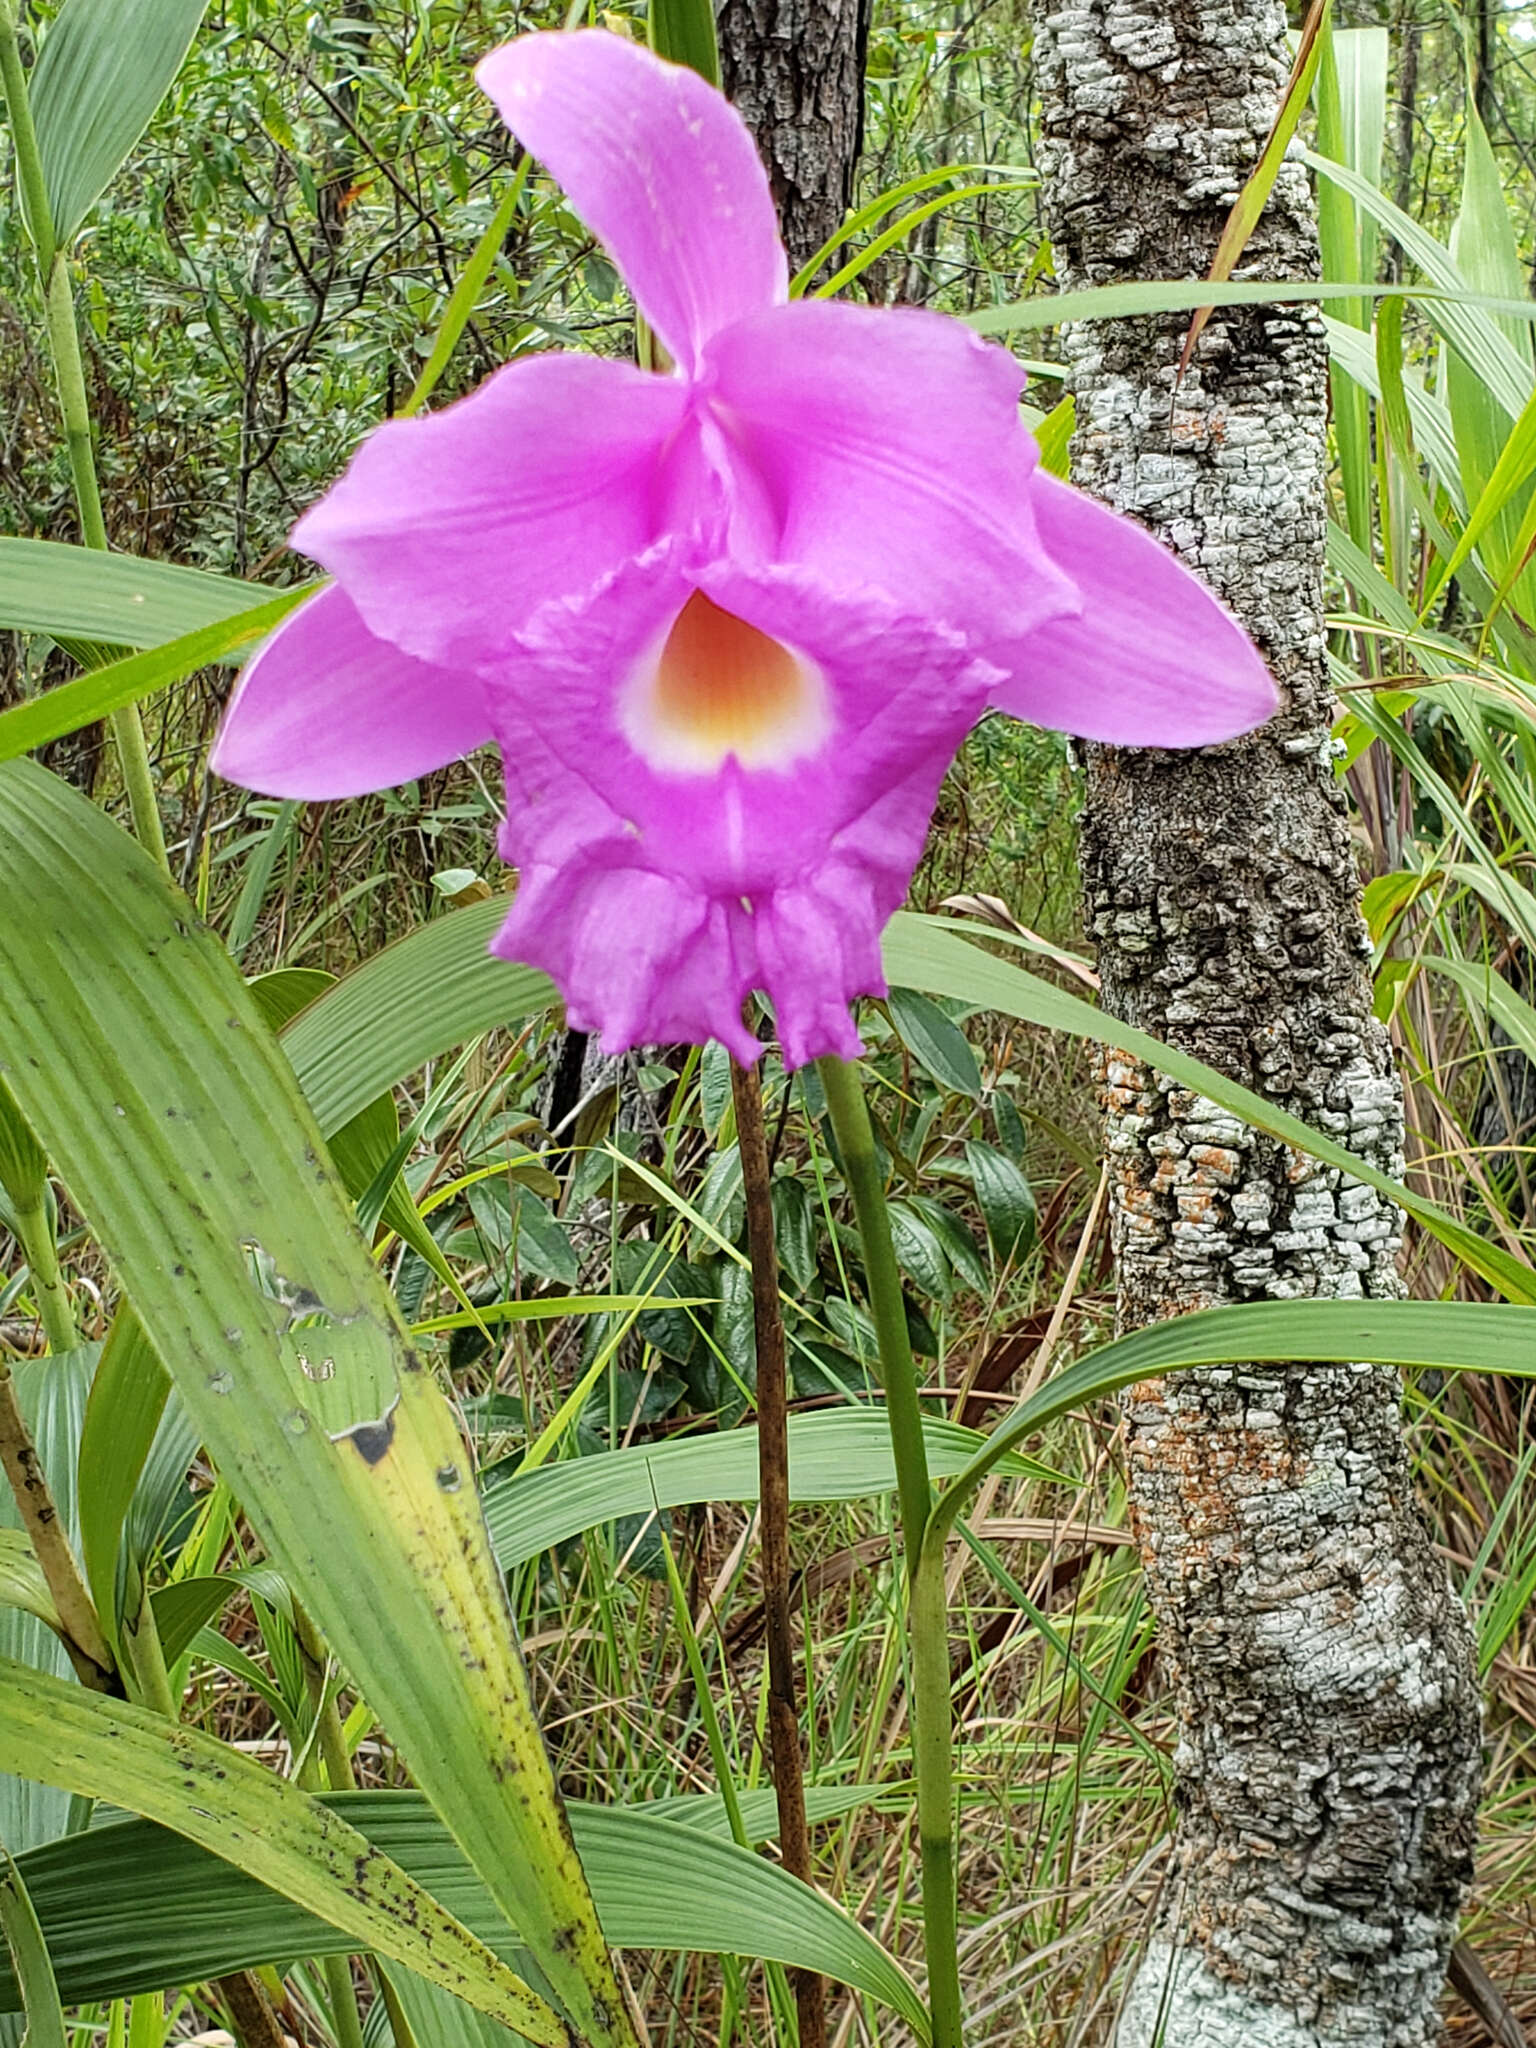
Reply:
x=773, y=1475
x=251, y=2018
x=927, y=1622
x=74, y=403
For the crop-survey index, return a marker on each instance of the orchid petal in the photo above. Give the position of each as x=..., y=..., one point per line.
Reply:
x=449, y=530
x=890, y=445
x=659, y=166
x=325, y=709
x=1152, y=660
x=657, y=897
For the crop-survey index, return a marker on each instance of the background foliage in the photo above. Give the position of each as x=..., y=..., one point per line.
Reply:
x=261, y=287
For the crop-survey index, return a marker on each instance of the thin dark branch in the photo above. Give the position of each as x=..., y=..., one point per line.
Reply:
x=773, y=1470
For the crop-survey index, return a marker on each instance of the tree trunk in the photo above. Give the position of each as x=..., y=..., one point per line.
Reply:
x=794, y=71
x=1327, y=1761
x=1482, y=69
x=1407, y=115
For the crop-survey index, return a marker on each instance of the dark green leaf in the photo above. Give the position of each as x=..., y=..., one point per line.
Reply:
x=919, y=1251
x=1006, y=1198
x=935, y=1041
x=794, y=1229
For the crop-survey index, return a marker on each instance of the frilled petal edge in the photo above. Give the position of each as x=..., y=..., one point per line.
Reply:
x=657, y=895
x=659, y=166
x=325, y=709
x=1151, y=660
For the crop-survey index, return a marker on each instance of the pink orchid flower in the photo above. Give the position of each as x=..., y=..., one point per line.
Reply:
x=728, y=625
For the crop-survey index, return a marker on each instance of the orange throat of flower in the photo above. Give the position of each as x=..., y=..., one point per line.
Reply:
x=717, y=688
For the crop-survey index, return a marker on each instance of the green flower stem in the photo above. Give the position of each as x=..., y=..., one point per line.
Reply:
x=145, y=1656
x=933, y=1760
x=29, y=159
x=927, y=1620
x=861, y=1168
x=34, y=1233
x=127, y=726
x=329, y=1732
x=74, y=405
x=64, y=345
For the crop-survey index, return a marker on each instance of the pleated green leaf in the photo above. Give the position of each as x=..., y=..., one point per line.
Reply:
x=1351, y=100
x=68, y=706
x=20, y=1932
x=1496, y=464
x=411, y=1002
x=1449, y=300
x=138, y=1056
x=49, y=586
x=438, y=987
x=52, y=1392
x=130, y=1907
x=1487, y=990
x=684, y=31
x=1450, y=1335
x=834, y=1454
x=22, y=1585
x=363, y=1146
x=1472, y=321
x=105, y=67
x=23, y=1168
x=919, y=952
x=227, y=1804
x=127, y=1401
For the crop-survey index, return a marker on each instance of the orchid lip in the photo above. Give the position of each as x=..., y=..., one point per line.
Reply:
x=713, y=688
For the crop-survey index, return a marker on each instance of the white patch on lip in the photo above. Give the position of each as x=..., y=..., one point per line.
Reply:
x=711, y=688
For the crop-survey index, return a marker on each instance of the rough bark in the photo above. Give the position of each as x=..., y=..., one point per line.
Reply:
x=1327, y=1761
x=794, y=70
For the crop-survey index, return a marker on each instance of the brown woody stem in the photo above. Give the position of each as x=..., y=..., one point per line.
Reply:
x=773, y=1479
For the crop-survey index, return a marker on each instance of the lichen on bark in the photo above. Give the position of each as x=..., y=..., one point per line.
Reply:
x=1327, y=1761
